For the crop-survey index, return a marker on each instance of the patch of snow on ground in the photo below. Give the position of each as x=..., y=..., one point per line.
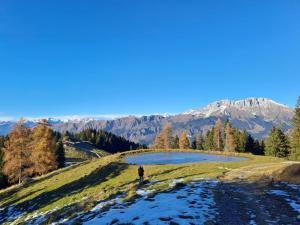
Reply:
x=294, y=186
x=192, y=203
x=175, y=182
x=103, y=204
x=10, y=214
x=294, y=203
x=279, y=192
x=144, y=193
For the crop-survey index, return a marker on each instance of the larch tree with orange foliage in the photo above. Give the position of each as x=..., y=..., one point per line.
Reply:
x=184, y=142
x=16, y=154
x=230, y=144
x=43, y=150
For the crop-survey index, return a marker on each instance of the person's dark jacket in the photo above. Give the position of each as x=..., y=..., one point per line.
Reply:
x=141, y=171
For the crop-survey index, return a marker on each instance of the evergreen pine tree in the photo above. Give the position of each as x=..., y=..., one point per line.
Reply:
x=209, y=140
x=16, y=158
x=250, y=145
x=262, y=147
x=60, y=154
x=176, y=142
x=277, y=143
x=194, y=144
x=295, y=134
x=199, y=142
x=184, y=142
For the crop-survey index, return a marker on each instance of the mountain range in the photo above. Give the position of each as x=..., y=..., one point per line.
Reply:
x=256, y=115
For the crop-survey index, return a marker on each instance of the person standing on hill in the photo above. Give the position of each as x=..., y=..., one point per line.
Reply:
x=141, y=174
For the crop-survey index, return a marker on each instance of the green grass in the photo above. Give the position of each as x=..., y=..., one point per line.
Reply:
x=101, y=178
x=81, y=151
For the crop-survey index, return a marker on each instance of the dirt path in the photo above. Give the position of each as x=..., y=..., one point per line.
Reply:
x=242, y=203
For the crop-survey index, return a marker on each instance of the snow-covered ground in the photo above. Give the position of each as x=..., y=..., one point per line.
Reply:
x=192, y=203
x=292, y=200
x=198, y=202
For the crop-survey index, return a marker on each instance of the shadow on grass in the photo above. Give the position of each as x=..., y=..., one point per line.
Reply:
x=96, y=177
x=9, y=193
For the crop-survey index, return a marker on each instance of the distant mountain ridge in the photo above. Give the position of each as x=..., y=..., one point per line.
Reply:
x=256, y=115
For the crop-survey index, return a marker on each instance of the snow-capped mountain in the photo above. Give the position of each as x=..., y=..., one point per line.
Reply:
x=256, y=115
x=263, y=107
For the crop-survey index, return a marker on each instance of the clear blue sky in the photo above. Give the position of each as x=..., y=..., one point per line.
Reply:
x=138, y=57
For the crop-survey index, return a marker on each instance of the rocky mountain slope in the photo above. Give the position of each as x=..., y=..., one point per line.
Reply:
x=256, y=115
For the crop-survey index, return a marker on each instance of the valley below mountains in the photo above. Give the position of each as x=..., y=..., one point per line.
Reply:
x=255, y=115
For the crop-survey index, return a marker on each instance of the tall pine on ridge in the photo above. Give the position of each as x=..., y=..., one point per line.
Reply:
x=276, y=143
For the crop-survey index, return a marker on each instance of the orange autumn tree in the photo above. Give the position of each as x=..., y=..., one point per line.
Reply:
x=164, y=140
x=230, y=144
x=184, y=142
x=218, y=142
x=17, y=152
x=43, y=150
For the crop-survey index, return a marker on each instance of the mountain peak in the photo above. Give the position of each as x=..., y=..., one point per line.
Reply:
x=248, y=102
x=226, y=106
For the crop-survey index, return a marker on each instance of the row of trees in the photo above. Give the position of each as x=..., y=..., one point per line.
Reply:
x=227, y=138
x=219, y=138
x=166, y=140
x=280, y=144
x=105, y=140
x=29, y=152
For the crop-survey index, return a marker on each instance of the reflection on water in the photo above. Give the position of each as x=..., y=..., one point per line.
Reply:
x=178, y=157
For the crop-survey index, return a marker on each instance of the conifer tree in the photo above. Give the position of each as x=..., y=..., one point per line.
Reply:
x=262, y=147
x=295, y=134
x=176, y=142
x=199, y=142
x=209, y=140
x=60, y=154
x=230, y=144
x=277, y=143
x=194, y=144
x=43, y=150
x=17, y=164
x=251, y=145
x=184, y=142
x=218, y=142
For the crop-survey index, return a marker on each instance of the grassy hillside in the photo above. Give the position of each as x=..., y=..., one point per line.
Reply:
x=82, y=150
x=79, y=188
